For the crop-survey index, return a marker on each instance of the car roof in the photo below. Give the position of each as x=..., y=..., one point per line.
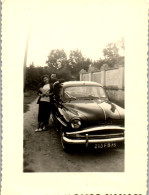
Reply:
x=77, y=83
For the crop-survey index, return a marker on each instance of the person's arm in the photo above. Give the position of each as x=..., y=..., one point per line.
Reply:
x=41, y=92
x=55, y=83
x=59, y=81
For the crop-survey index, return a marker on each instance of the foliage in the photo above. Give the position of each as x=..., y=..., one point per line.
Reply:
x=77, y=62
x=33, y=77
x=69, y=68
x=98, y=64
x=113, y=55
x=57, y=59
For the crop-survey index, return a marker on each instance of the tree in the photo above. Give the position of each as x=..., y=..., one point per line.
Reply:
x=114, y=50
x=33, y=76
x=77, y=62
x=65, y=73
x=111, y=51
x=98, y=64
x=56, y=60
x=114, y=53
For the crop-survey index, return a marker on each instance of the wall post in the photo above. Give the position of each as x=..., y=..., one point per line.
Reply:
x=103, y=79
x=81, y=76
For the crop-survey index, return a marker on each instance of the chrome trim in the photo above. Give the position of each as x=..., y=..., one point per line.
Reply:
x=71, y=141
x=96, y=129
x=75, y=118
x=91, y=136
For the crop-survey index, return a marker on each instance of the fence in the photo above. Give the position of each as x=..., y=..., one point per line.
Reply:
x=111, y=79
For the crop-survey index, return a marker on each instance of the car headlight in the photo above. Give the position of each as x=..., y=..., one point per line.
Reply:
x=75, y=124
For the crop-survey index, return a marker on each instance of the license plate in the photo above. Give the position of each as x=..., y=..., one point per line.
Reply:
x=105, y=145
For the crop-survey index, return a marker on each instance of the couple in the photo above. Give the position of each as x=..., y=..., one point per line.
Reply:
x=45, y=95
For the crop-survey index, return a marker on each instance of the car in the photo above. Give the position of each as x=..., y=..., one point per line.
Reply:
x=84, y=115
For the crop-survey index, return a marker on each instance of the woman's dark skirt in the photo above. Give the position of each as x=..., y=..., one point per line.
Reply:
x=44, y=112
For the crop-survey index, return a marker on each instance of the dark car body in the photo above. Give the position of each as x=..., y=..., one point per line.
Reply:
x=84, y=115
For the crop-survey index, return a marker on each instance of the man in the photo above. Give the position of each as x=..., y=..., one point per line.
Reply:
x=55, y=82
x=55, y=90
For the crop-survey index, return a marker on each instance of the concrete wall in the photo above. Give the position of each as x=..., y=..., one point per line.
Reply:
x=117, y=96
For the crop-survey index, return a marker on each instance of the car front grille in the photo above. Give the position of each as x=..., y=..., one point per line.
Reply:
x=98, y=133
x=104, y=136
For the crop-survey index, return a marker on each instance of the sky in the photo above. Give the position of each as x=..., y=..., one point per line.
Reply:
x=51, y=24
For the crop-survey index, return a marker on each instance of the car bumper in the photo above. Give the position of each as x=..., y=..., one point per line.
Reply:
x=95, y=135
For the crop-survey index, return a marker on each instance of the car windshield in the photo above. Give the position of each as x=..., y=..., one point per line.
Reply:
x=77, y=92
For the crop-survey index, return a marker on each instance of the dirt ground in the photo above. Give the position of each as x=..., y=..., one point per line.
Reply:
x=29, y=96
x=43, y=151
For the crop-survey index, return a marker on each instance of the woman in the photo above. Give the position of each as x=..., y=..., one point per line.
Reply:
x=44, y=104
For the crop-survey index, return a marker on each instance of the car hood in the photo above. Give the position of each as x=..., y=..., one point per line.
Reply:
x=94, y=109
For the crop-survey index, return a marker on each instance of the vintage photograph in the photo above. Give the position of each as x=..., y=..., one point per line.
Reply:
x=74, y=88
x=74, y=97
